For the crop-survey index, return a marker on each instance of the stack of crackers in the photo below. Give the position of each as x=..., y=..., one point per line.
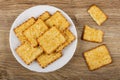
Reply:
x=44, y=38
x=98, y=56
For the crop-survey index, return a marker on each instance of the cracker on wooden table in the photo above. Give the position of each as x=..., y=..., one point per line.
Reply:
x=45, y=59
x=58, y=20
x=93, y=35
x=45, y=16
x=97, y=57
x=28, y=53
x=36, y=30
x=51, y=40
x=97, y=14
x=69, y=38
x=19, y=30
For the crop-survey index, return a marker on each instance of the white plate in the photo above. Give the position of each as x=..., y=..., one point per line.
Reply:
x=35, y=12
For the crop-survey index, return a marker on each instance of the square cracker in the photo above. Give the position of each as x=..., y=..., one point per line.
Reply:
x=51, y=40
x=58, y=20
x=45, y=59
x=97, y=57
x=93, y=35
x=69, y=38
x=27, y=53
x=97, y=14
x=36, y=30
x=45, y=16
x=19, y=30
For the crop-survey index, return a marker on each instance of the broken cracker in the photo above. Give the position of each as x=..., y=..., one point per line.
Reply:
x=58, y=20
x=69, y=38
x=36, y=30
x=27, y=53
x=97, y=57
x=51, y=40
x=91, y=34
x=45, y=16
x=45, y=59
x=97, y=14
x=19, y=30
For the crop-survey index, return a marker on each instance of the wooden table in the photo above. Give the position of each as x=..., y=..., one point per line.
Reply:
x=76, y=69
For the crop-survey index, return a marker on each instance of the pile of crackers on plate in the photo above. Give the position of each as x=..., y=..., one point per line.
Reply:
x=98, y=56
x=44, y=38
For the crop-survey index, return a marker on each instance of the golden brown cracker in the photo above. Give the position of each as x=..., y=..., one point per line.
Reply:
x=97, y=14
x=97, y=57
x=51, y=40
x=36, y=30
x=45, y=16
x=58, y=20
x=19, y=30
x=91, y=34
x=69, y=38
x=45, y=59
x=27, y=53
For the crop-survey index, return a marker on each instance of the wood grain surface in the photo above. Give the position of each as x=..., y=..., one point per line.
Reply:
x=76, y=69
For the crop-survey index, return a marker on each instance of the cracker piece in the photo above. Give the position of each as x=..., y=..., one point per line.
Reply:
x=45, y=16
x=45, y=59
x=51, y=40
x=27, y=53
x=19, y=30
x=97, y=14
x=97, y=57
x=58, y=20
x=69, y=38
x=93, y=35
x=36, y=30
